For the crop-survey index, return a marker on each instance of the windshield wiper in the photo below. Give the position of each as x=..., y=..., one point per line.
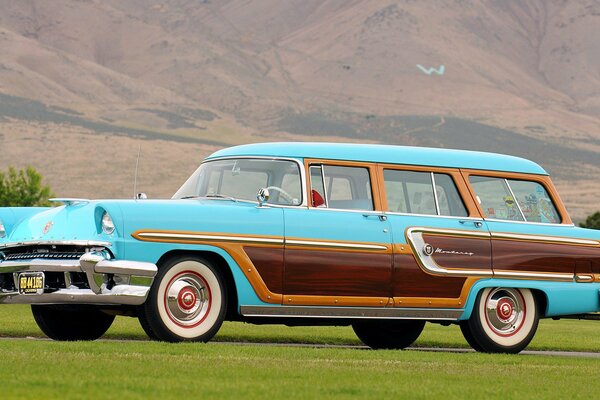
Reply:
x=220, y=196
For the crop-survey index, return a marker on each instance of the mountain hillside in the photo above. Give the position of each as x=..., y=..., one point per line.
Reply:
x=519, y=77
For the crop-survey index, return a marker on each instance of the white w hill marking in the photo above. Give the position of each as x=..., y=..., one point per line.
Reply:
x=429, y=71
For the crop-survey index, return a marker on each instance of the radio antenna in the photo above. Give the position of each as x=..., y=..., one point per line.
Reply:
x=137, y=163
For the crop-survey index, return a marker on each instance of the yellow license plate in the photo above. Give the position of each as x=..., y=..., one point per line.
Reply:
x=31, y=283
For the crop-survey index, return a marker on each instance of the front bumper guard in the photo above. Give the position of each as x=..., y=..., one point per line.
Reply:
x=110, y=281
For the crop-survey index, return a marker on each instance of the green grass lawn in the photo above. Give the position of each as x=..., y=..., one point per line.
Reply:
x=145, y=369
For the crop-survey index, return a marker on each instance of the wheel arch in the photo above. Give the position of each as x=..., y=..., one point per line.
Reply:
x=538, y=289
x=219, y=261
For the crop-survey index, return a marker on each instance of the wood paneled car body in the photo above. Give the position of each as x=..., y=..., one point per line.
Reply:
x=383, y=238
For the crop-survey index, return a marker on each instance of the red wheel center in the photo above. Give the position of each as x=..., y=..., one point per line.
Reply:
x=187, y=298
x=504, y=309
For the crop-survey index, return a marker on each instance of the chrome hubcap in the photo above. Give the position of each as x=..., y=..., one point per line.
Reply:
x=187, y=299
x=505, y=311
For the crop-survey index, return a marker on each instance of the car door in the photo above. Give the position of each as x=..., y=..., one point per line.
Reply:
x=338, y=249
x=439, y=239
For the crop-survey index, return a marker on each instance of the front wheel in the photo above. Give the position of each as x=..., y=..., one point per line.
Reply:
x=66, y=322
x=504, y=320
x=388, y=334
x=187, y=302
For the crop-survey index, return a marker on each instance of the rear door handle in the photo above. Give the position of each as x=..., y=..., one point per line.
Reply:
x=478, y=224
x=380, y=216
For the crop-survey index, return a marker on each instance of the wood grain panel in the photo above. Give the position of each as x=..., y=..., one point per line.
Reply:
x=544, y=256
x=409, y=280
x=269, y=264
x=324, y=273
x=470, y=252
x=533, y=256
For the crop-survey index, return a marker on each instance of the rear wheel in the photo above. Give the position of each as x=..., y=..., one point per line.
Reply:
x=388, y=334
x=187, y=301
x=66, y=322
x=504, y=320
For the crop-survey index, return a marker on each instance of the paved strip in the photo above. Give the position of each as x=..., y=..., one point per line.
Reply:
x=576, y=354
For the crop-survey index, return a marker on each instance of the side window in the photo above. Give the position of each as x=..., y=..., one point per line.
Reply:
x=449, y=199
x=495, y=198
x=514, y=200
x=535, y=202
x=412, y=192
x=346, y=188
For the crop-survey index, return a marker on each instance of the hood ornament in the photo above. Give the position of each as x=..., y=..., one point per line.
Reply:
x=47, y=227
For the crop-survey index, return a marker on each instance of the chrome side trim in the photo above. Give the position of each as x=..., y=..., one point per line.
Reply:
x=544, y=238
x=438, y=314
x=82, y=243
x=195, y=236
x=557, y=224
x=533, y=275
x=358, y=246
x=416, y=241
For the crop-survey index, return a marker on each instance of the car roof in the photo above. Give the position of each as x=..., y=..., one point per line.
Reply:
x=402, y=155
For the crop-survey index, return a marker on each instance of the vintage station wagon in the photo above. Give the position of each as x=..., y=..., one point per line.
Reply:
x=383, y=238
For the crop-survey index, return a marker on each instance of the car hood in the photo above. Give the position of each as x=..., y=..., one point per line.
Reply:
x=81, y=221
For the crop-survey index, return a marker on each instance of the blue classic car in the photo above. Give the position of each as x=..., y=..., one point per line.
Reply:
x=383, y=238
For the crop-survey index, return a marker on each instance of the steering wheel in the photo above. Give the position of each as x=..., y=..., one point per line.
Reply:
x=286, y=196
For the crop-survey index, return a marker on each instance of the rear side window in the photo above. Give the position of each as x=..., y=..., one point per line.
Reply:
x=514, y=200
x=345, y=188
x=414, y=192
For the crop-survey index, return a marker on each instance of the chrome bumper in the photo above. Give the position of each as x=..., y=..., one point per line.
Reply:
x=110, y=281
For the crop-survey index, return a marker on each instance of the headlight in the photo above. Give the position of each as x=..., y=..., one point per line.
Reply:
x=2, y=230
x=108, y=225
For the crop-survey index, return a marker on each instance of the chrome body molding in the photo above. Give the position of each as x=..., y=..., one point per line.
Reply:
x=110, y=281
x=534, y=275
x=544, y=238
x=81, y=243
x=431, y=314
x=203, y=237
x=426, y=261
x=356, y=246
x=175, y=236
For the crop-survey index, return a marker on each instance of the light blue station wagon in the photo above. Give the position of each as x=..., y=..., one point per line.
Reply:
x=383, y=238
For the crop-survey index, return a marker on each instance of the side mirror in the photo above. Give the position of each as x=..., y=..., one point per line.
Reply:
x=141, y=196
x=263, y=196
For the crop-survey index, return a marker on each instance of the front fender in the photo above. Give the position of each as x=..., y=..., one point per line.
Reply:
x=12, y=216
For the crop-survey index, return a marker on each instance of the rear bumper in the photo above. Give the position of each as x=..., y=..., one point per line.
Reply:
x=109, y=281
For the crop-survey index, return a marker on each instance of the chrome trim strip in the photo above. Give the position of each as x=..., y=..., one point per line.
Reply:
x=359, y=246
x=435, y=195
x=555, y=239
x=529, y=222
x=439, y=314
x=324, y=185
x=535, y=275
x=434, y=216
x=515, y=199
x=82, y=243
x=159, y=235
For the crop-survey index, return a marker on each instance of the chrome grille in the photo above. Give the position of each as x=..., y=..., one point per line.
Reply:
x=54, y=256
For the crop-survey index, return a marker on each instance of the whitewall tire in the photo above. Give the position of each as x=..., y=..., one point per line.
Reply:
x=504, y=320
x=187, y=301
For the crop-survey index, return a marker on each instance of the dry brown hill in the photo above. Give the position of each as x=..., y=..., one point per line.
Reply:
x=520, y=77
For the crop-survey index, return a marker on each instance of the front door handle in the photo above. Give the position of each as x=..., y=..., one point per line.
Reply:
x=478, y=224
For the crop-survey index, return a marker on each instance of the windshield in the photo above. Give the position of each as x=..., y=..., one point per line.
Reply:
x=240, y=179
